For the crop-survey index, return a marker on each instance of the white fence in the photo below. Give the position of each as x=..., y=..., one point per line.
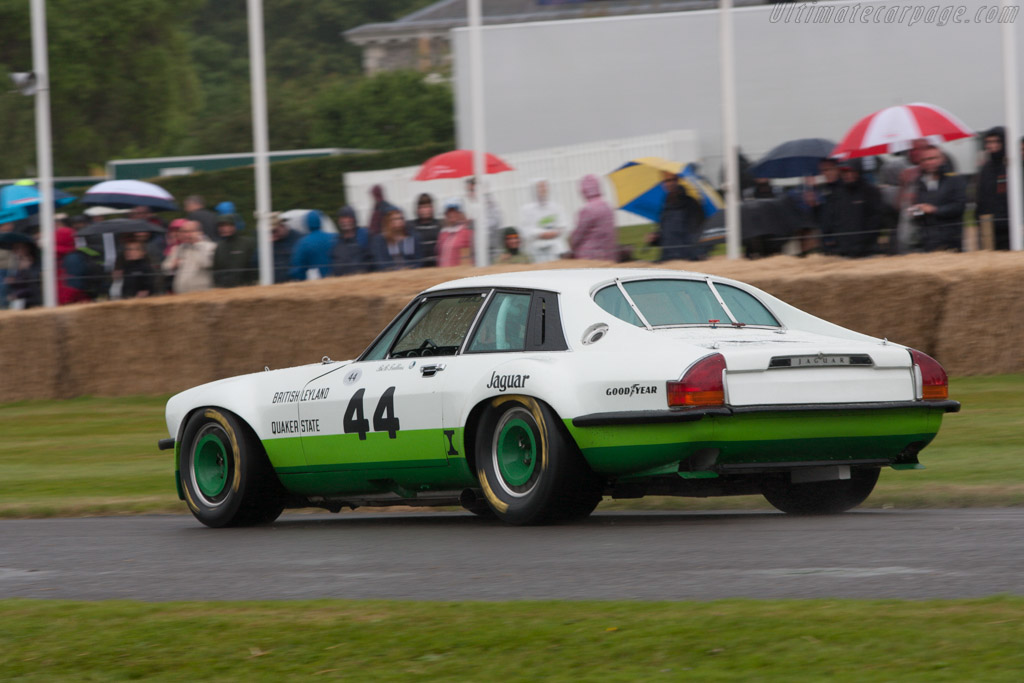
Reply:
x=563, y=167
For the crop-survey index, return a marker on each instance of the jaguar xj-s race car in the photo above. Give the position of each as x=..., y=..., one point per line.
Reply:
x=531, y=395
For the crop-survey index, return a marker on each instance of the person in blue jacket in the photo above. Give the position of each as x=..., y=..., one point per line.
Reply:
x=313, y=251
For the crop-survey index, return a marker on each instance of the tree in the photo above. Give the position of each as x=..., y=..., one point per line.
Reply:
x=391, y=110
x=134, y=78
x=306, y=55
x=121, y=79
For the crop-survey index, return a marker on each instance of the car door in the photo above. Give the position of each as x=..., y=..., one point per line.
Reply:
x=384, y=411
x=515, y=328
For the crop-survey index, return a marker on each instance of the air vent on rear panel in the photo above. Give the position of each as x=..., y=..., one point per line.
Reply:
x=594, y=333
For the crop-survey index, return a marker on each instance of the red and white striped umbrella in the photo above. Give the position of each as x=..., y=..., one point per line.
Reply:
x=894, y=128
x=458, y=164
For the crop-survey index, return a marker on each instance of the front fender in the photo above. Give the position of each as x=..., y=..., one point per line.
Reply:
x=256, y=398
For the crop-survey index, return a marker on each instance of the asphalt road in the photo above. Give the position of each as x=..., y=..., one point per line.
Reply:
x=455, y=556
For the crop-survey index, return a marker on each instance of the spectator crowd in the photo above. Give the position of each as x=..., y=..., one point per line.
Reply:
x=912, y=202
x=915, y=201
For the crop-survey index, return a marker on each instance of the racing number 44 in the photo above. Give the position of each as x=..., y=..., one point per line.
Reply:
x=384, y=418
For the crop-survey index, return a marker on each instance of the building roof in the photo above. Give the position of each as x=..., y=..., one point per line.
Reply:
x=445, y=15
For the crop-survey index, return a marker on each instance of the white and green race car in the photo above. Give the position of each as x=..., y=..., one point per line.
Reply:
x=532, y=395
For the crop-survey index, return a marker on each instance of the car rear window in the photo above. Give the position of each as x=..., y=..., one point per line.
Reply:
x=683, y=302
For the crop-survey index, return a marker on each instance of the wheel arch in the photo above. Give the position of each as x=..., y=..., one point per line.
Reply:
x=472, y=424
x=245, y=423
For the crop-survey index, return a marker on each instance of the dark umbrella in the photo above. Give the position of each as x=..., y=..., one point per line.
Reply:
x=119, y=226
x=793, y=159
x=9, y=239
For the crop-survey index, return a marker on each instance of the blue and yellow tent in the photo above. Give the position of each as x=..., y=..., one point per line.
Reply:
x=638, y=186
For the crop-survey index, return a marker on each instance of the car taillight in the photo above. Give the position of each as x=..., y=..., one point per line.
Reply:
x=700, y=386
x=934, y=382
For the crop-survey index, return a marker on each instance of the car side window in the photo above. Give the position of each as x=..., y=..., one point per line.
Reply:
x=503, y=327
x=610, y=299
x=745, y=308
x=438, y=327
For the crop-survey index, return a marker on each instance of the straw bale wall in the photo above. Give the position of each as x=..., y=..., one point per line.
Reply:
x=964, y=309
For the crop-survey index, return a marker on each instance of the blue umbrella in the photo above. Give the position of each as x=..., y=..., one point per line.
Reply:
x=793, y=159
x=22, y=200
x=11, y=215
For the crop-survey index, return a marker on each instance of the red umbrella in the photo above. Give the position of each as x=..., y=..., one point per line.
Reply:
x=458, y=164
x=894, y=128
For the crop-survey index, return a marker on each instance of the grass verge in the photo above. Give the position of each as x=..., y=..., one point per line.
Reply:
x=90, y=456
x=523, y=641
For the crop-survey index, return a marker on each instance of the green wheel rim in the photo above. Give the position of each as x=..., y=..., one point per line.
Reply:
x=210, y=466
x=516, y=452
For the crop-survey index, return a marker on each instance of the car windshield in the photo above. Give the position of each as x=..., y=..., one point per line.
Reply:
x=683, y=302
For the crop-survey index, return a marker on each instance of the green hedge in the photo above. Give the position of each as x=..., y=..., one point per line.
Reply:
x=298, y=184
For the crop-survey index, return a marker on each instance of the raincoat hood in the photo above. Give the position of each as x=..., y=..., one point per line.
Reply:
x=998, y=132
x=313, y=220
x=65, y=241
x=535, y=184
x=590, y=186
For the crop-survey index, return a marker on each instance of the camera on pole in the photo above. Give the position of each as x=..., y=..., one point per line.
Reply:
x=24, y=82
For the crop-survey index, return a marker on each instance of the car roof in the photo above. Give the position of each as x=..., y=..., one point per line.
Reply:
x=564, y=280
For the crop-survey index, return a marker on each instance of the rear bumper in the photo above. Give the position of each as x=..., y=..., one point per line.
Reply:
x=725, y=438
x=636, y=417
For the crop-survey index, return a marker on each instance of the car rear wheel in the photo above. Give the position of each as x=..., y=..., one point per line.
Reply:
x=225, y=474
x=529, y=469
x=821, y=497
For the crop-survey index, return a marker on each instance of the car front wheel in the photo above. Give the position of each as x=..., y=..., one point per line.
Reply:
x=821, y=497
x=225, y=474
x=529, y=469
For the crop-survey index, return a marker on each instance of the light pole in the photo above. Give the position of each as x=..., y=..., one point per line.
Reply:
x=729, y=147
x=481, y=238
x=260, y=143
x=44, y=152
x=1012, y=146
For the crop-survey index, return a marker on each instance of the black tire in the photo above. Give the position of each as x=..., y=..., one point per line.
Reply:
x=529, y=468
x=821, y=497
x=225, y=474
x=481, y=509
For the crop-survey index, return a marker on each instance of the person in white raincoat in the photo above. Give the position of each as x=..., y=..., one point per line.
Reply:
x=543, y=225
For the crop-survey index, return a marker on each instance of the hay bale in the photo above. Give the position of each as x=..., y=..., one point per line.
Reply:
x=288, y=326
x=140, y=347
x=961, y=308
x=31, y=355
x=881, y=306
x=983, y=323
